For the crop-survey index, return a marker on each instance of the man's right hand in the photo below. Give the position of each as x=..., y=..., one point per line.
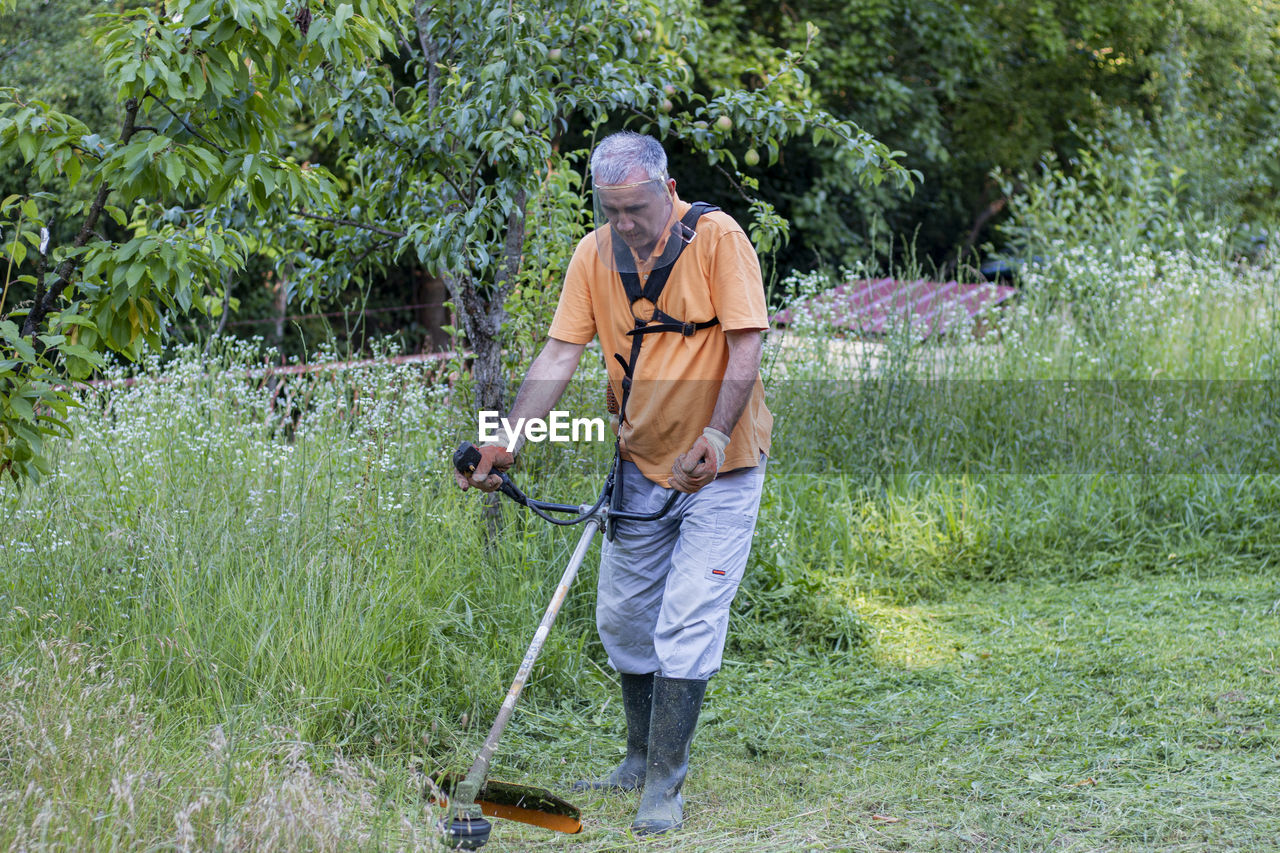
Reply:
x=493, y=458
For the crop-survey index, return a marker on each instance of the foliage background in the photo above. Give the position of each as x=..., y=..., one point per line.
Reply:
x=963, y=89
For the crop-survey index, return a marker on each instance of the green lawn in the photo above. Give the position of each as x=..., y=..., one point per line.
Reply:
x=1132, y=711
x=1122, y=713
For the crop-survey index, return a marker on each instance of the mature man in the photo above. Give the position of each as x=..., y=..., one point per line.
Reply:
x=674, y=293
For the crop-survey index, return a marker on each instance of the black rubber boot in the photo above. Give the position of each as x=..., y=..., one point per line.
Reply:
x=637, y=705
x=676, y=705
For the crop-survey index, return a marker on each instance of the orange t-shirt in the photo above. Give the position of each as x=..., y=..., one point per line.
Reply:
x=677, y=379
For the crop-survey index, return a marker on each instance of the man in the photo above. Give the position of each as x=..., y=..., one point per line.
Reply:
x=675, y=295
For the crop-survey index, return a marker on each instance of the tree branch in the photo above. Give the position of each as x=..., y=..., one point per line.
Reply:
x=463, y=197
x=734, y=181
x=191, y=130
x=95, y=155
x=374, y=228
x=422, y=18
x=375, y=247
x=13, y=51
x=45, y=303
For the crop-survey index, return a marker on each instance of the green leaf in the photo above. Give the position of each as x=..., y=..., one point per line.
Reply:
x=225, y=29
x=22, y=407
x=81, y=351
x=74, y=320
x=157, y=144
x=27, y=144
x=174, y=170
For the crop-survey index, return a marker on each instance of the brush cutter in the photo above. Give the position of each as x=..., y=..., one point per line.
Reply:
x=473, y=796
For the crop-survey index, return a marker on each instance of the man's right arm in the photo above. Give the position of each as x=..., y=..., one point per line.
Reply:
x=543, y=386
x=546, y=380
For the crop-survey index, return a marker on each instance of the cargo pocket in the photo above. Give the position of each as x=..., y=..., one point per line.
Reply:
x=727, y=556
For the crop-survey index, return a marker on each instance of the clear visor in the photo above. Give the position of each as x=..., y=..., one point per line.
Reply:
x=636, y=227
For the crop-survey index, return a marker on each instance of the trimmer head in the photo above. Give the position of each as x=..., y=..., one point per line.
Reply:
x=465, y=832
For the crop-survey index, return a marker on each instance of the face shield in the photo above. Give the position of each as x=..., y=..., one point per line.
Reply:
x=636, y=227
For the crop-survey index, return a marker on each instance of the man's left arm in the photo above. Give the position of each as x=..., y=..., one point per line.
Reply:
x=699, y=466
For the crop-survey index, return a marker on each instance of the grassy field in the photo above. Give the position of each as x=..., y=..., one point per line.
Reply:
x=1132, y=712
x=1015, y=594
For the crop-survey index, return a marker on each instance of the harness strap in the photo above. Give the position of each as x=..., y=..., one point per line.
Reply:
x=667, y=323
x=661, y=321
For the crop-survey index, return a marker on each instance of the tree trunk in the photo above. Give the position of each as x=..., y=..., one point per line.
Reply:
x=282, y=309
x=482, y=315
x=481, y=321
x=981, y=218
x=432, y=316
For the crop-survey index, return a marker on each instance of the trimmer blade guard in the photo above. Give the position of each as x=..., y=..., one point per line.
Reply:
x=509, y=801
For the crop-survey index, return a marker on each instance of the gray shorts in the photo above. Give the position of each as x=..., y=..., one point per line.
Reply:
x=666, y=585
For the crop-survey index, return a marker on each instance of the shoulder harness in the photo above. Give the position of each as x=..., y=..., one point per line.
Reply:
x=660, y=321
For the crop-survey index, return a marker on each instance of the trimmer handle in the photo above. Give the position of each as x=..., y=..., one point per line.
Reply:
x=465, y=460
x=467, y=457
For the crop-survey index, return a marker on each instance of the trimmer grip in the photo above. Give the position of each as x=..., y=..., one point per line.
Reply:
x=466, y=458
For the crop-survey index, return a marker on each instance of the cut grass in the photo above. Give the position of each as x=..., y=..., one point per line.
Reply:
x=1121, y=713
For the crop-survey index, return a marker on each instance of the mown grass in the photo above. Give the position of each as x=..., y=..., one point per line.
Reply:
x=1133, y=712
x=231, y=623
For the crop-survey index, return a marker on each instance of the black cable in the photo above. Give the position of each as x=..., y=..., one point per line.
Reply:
x=562, y=522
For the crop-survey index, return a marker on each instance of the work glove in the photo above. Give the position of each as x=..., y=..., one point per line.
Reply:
x=494, y=459
x=701, y=463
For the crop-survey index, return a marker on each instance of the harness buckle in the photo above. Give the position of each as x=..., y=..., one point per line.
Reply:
x=688, y=329
x=684, y=232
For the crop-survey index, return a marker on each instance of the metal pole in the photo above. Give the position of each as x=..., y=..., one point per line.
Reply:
x=465, y=795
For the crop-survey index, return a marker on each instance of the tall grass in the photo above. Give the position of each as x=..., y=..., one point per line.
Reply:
x=233, y=565
x=1132, y=439
x=335, y=575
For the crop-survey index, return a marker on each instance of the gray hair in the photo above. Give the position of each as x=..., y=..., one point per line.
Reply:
x=618, y=155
